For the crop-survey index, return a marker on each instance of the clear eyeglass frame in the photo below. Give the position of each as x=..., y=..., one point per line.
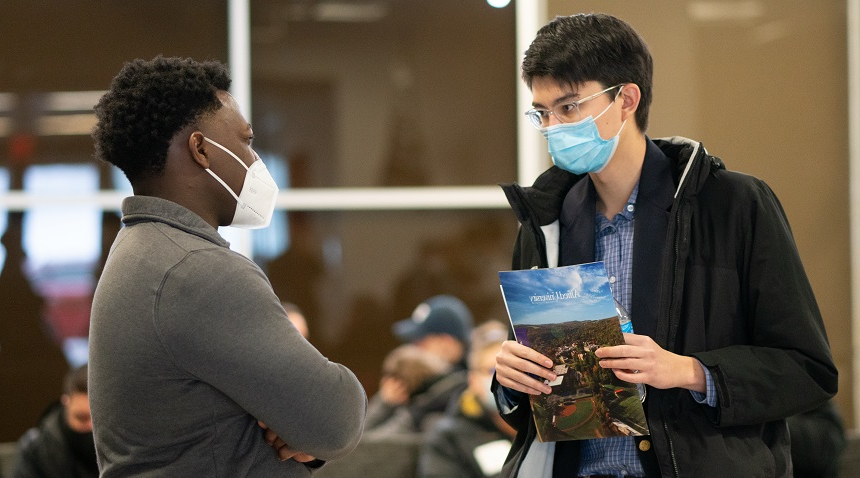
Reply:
x=565, y=113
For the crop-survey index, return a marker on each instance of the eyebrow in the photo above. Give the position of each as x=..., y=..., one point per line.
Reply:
x=560, y=100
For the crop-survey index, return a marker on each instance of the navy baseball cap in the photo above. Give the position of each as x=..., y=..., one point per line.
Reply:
x=441, y=314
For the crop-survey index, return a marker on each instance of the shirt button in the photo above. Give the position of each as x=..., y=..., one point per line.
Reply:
x=630, y=207
x=612, y=280
x=644, y=445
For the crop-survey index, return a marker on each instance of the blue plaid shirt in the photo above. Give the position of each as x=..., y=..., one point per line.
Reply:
x=613, y=244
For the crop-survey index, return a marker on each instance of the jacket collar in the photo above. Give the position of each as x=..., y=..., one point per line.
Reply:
x=690, y=162
x=542, y=201
x=140, y=209
x=656, y=195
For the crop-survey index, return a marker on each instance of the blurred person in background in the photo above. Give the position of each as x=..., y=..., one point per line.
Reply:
x=61, y=446
x=406, y=400
x=472, y=440
x=297, y=318
x=440, y=327
x=191, y=351
x=817, y=442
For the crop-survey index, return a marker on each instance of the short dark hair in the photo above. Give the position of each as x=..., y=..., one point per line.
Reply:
x=592, y=47
x=76, y=381
x=147, y=104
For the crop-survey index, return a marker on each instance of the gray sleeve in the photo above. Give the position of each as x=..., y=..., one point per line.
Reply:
x=221, y=321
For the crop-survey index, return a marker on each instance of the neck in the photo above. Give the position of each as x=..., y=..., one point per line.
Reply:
x=616, y=182
x=178, y=194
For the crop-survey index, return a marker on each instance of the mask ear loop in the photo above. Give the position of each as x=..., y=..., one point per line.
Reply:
x=211, y=173
x=228, y=152
x=607, y=109
x=615, y=146
x=623, y=122
x=224, y=184
x=610, y=105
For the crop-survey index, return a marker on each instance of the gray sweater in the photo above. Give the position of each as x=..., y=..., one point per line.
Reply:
x=189, y=347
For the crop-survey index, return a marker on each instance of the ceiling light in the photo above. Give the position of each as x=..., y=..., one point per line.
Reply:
x=349, y=13
x=710, y=11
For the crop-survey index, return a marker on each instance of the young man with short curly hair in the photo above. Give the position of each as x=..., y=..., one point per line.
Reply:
x=195, y=369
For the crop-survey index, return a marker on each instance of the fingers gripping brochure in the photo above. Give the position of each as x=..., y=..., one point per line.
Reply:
x=566, y=313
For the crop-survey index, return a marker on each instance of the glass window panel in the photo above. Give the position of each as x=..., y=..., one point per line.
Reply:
x=364, y=94
x=354, y=274
x=57, y=57
x=4, y=187
x=80, y=46
x=79, y=242
x=63, y=248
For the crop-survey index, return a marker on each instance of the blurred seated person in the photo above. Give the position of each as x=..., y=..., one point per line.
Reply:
x=412, y=380
x=472, y=440
x=440, y=325
x=817, y=441
x=297, y=318
x=62, y=445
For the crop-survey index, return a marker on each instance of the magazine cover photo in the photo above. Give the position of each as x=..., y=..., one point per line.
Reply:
x=566, y=313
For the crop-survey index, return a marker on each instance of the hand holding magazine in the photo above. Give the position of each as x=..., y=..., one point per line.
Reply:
x=566, y=313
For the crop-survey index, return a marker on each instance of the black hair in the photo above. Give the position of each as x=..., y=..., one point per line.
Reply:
x=147, y=104
x=76, y=381
x=592, y=47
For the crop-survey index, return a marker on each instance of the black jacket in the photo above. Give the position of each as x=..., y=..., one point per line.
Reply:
x=426, y=406
x=52, y=450
x=449, y=449
x=716, y=276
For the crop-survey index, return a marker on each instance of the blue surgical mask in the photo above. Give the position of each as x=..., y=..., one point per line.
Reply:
x=578, y=147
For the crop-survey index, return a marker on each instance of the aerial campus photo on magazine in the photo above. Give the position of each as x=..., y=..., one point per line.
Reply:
x=566, y=313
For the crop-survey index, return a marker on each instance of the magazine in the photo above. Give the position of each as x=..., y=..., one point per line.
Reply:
x=566, y=313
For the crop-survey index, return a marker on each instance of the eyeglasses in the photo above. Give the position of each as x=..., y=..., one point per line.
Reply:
x=565, y=113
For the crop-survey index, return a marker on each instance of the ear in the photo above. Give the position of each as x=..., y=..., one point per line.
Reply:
x=197, y=149
x=630, y=95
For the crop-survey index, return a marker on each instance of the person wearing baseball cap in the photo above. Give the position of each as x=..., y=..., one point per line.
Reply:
x=441, y=325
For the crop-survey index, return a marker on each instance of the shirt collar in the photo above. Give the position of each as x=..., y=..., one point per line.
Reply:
x=626, y=214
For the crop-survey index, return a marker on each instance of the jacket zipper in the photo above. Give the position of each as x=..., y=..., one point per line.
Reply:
x=671, y=450
x=671, y=315
x=678, y=238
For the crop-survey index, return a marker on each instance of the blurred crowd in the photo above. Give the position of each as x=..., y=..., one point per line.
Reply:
x=434, y=386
